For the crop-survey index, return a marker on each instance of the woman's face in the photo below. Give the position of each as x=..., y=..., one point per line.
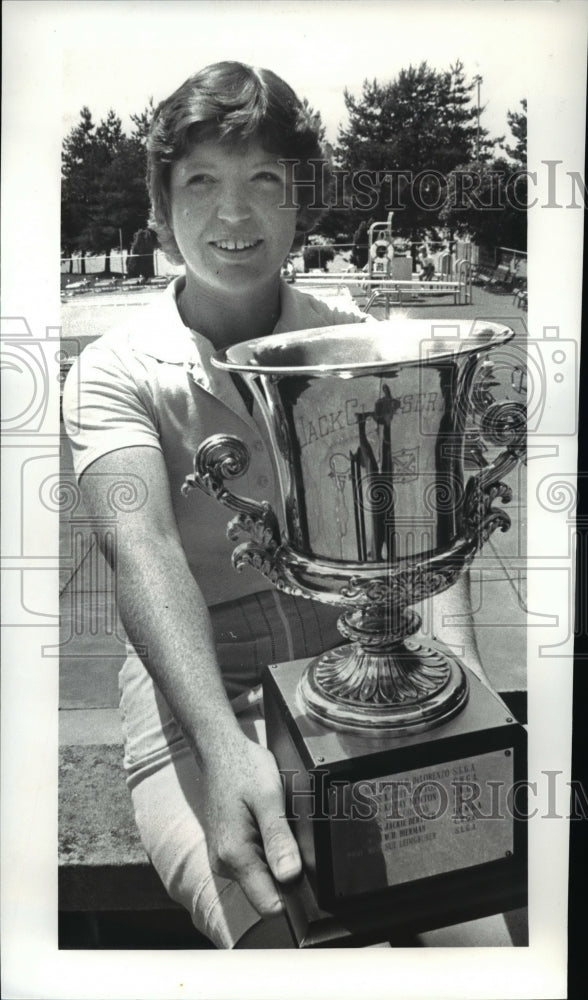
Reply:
x=227, y=215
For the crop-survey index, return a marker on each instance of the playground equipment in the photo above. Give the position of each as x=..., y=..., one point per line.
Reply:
x=388, y=278
x=398, y=293
x=380, y=249
x=391, y=291
x=383, y=262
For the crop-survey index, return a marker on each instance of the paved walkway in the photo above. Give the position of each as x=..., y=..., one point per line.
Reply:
x=89, y=316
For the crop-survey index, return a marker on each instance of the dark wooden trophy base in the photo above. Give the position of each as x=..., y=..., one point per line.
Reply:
x=389, y=843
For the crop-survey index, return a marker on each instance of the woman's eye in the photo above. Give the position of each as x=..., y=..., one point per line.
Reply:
x=269, y=176
x=198, y=179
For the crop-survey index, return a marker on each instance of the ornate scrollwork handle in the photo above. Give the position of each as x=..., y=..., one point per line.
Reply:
x=505, y=424
x=220, y=457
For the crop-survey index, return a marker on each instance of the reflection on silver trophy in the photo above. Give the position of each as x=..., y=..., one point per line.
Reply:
x=367, y=427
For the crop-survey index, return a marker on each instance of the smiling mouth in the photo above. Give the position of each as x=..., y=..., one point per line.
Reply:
x=235, y=246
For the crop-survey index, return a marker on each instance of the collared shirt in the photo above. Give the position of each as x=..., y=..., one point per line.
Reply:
x=151, y=383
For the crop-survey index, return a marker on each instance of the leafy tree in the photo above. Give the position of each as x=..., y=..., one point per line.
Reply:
x=317, y=254
x=142, y=264
x=488, y=201
x=423, y=124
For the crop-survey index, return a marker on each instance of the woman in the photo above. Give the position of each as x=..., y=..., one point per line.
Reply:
x=206, y=793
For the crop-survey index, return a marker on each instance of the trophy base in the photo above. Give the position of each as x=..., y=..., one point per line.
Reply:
x=404, y=833
x=406, y=690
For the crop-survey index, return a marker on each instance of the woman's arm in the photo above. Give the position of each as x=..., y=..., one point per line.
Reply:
x=164, y=613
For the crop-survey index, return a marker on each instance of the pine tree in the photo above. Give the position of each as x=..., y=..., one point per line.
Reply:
x=517, y=123
x=492, y=208
x=422, y=123
x=77, y=171
x=142, y=121
x=104, y=195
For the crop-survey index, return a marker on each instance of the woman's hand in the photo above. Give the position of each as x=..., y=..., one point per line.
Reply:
x=248, y=836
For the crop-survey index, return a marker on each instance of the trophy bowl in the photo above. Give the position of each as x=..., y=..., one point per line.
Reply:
x=366, y=424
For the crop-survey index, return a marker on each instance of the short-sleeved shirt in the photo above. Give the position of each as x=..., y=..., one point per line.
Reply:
x=151, y=383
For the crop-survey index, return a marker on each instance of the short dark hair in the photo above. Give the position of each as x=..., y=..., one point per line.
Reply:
x=235, y=103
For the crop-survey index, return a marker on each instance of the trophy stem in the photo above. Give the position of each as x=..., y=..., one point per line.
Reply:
x=405, y=689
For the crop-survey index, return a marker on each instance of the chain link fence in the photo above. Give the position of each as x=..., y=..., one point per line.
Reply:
x=95, y=264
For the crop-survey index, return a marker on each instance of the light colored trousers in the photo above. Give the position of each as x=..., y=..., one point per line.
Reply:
x=164, y=778
x=167, y=792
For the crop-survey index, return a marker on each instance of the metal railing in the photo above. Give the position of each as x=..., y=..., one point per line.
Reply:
x=394, y=291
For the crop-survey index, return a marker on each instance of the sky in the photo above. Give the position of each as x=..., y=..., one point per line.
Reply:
x=120, y=53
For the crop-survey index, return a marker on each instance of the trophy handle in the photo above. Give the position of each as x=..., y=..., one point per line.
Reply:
x=503, y=423
x=220, y=457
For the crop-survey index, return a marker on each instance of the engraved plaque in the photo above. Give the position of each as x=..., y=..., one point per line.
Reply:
x=415, y=832
x=420, y=823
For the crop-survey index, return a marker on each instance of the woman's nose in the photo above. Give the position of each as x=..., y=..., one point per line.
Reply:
x=234, y=204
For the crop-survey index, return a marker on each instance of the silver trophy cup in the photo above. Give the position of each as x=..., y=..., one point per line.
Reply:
x=367, y=426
